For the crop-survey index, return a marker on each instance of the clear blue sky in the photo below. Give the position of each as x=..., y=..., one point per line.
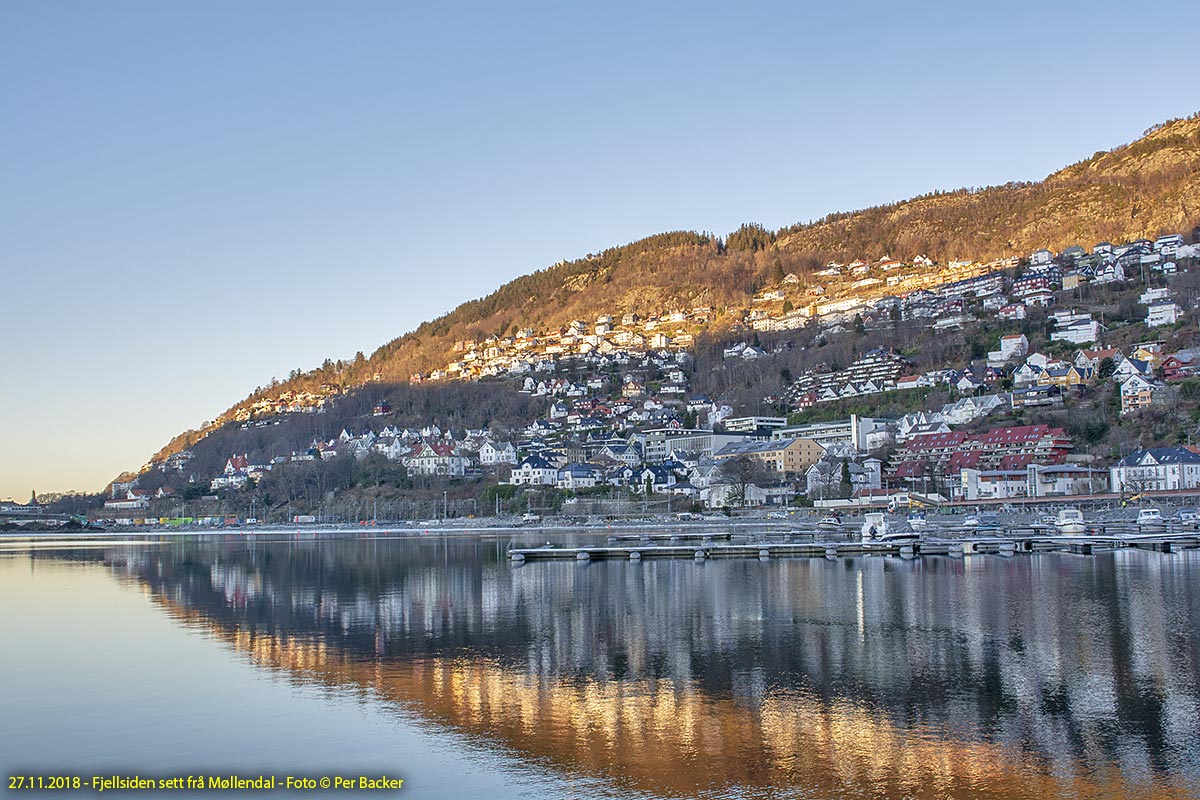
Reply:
x=199, y=196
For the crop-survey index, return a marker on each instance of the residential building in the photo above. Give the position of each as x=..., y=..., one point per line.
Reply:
x=1068, y=377
x=1164, y=313
x=661, y=443
x=1156, y=469
x=998, y=484
x=723, y=495
x=1012, y=312
x=492, y=453
x=576, y=476
x=534, y=471
x=1011, y=348
x=132, y=500
x=1057, y=480
x=1078, y=331
x=1035, y=396
x=753, y=424
x=1151, y=296
x=1178, y=366
x=1128, y=367
x=788, y=457
x=862, y=433
x=1091, y=359
x=825, y=477
x=436, y=459
x=1139, y=392
x=946, y=454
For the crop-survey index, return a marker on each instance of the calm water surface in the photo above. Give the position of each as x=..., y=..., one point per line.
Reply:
x=435, y=660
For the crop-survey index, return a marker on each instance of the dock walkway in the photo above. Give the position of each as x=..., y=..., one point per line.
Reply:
x=1009, y=543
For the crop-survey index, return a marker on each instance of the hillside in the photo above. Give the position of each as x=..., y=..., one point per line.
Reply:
x=1138, y=190
x=1148, y=187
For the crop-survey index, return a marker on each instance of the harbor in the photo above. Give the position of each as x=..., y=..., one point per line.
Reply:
x=826, y=540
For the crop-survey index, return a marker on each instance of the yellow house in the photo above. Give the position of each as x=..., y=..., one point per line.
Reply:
x=1064, y=377
x=785, y=456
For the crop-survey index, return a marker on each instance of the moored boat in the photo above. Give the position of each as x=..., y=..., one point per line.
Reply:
x=1150, y=517
x=876, y=530
x=832, y=522
x=1070, y=521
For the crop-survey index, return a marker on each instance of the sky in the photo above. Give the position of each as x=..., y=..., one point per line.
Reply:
x=198, y=197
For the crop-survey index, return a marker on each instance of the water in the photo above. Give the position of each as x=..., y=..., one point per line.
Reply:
x=437, y=661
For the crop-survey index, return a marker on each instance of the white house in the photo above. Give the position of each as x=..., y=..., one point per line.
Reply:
x=436, y=458
x=534, y=471
x=1140, y=392
x=1064, y=479
x=999, y=484
x=1014, y=346
x=1078, y=332
x=1011, y=347
x=134, y=500
x=1151, y=296
x=492, y=453
x=1091, y=359
x=721, y=495
x=1012, y=312
x=1169, y=244
x=1156, y=469
x=1165, y=313
x=1027, y=374
x=1128, y=367
x=576, y=476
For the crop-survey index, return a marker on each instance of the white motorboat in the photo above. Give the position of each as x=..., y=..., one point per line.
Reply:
x=875, y=530
x=1150, y=516
x=917, y=521
x=971, y=522
x=1070, y=521
x=829, y=523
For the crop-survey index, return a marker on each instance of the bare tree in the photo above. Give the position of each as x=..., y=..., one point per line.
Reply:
x=740, y=473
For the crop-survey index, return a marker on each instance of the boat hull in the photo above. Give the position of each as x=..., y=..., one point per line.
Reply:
x=893, y=538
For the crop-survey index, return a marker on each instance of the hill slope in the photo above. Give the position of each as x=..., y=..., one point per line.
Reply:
x=1142, y=189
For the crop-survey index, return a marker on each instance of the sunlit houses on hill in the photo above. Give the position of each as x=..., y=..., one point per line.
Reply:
x=618, y=408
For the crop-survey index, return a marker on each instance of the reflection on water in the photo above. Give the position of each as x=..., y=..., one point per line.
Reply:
x=1032, y=676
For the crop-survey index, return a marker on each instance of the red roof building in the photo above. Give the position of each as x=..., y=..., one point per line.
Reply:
x=1009, y=448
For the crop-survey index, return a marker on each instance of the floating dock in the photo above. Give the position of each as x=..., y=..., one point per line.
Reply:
x=650, y=547
x=674, y=537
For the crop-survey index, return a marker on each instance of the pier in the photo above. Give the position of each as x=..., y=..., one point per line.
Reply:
x=1008, y=543
x=673, y=537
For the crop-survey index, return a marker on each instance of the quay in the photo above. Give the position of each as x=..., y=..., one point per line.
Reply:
x=1005, y=544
